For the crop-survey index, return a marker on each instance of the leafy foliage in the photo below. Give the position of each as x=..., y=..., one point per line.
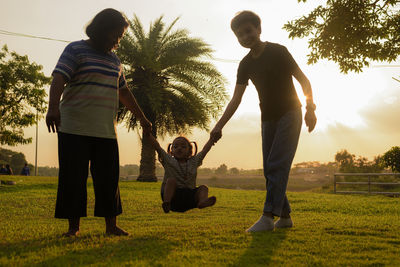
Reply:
x=234, y=171
x=14, y=159
x=165, y=71
x=350, y=32
x=391, y=159
x=222, y=169
x=348, y=162
x=21, y=95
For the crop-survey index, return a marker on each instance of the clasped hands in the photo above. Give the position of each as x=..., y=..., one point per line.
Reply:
x=216, y=134
x=146, y=125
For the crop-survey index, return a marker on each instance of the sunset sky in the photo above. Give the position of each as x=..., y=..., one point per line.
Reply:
x=357, y=112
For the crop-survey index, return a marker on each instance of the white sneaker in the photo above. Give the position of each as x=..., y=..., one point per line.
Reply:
x=265, y=223
x=284, y=223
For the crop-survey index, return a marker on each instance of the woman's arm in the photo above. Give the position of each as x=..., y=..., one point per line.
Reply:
x=53, y=112
x=129, y=101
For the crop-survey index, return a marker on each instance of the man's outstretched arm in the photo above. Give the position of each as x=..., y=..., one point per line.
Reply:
x=216, y=133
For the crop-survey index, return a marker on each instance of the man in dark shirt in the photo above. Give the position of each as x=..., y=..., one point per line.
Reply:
x=25, y=170
x=270, y=67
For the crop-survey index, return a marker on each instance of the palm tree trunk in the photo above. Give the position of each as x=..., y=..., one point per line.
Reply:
x=147, y=171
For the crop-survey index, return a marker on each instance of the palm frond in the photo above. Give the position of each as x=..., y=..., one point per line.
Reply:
x=182, y=49
x=168, y=30
x=209, y=84
x=166, y=71
x=137, y=29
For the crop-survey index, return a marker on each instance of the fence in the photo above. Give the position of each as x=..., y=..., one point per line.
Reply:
x=369, y=183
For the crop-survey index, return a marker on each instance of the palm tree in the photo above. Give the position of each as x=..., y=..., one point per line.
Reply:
x=173, y=84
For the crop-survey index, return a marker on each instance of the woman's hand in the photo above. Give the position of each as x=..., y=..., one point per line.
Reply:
x=53, y=120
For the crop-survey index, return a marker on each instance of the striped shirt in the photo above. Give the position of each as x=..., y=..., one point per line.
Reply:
x=90, y=99
x=184, y=173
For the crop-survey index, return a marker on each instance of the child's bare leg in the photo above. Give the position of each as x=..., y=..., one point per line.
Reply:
x=73, y=229
x=169, y=191
x=112, y=228
x=203, y=201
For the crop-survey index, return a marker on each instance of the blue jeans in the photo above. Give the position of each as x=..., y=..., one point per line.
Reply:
x=279, y=144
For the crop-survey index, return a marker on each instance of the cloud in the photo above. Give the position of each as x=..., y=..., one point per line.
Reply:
x=379, y=132
x=383, y=115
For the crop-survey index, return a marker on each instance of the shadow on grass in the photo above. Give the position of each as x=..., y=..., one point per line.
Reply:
x=145, y=250
x=261, y=248
x=94, y=249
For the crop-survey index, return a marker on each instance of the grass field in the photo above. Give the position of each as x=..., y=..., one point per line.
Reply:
x=297, y=182
x=330, y=230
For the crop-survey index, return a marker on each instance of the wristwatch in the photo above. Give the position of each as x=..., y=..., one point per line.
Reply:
x=311, y=106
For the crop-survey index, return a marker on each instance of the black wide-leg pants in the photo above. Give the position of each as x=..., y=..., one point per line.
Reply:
x=75, y=153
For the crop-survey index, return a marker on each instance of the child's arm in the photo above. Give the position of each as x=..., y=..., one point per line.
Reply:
x=216, y=133
x=310, y=117
x=207, y=146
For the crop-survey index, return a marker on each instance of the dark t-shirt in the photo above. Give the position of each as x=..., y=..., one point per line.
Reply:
x=271, y=74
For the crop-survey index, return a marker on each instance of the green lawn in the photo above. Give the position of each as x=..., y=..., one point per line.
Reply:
x=330, y=230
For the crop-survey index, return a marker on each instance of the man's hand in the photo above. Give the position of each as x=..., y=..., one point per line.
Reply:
x=146, y=125
x=53, y=120
x=310, y=120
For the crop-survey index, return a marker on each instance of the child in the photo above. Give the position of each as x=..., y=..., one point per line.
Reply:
x=178, y=190
x=270, y=67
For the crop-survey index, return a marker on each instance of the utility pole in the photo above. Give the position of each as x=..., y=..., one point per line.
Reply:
x=37, y=122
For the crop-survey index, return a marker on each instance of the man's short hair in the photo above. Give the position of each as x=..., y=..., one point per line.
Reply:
x=244, y=17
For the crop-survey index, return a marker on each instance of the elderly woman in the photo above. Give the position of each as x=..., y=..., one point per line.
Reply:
x=90, y=78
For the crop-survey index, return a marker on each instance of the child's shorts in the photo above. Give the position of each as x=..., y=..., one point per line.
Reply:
x=183, y=200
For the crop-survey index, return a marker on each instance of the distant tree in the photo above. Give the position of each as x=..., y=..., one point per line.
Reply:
x=222, y=169
x=15, y=159
x=205, y=171
x=5, y=156
x=234, y=171
x=345, y=160
x=129, y=169
x=348, y=162
x=316, y=167
x=350, y=32
x=391, y=159
x=362, y=164
x=173, y=83
x=48, y=171
x=21, y=95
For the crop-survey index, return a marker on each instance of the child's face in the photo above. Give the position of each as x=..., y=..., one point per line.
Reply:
x=180, y=149
x=248, y=35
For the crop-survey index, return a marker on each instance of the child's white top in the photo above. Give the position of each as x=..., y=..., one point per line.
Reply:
x=184, y=173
